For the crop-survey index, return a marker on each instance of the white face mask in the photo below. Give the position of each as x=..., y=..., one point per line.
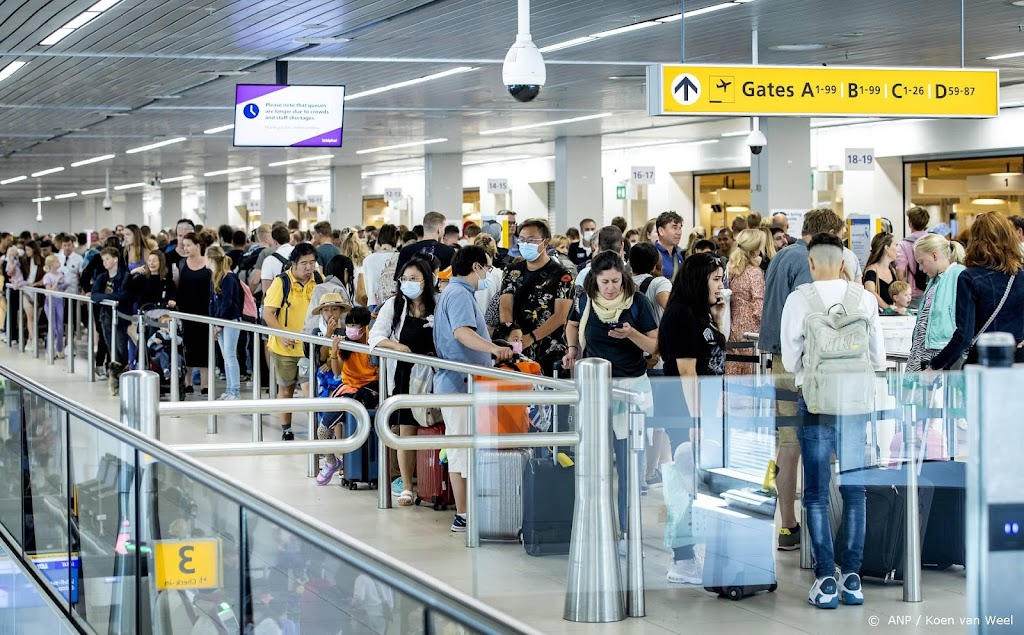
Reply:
x=588, y=236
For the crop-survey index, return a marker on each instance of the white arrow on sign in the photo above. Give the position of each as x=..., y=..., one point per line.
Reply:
x=686, y=89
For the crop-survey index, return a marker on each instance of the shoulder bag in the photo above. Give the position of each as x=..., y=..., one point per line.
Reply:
x=959, y=364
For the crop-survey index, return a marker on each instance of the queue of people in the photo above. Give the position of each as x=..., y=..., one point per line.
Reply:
x=459, y=295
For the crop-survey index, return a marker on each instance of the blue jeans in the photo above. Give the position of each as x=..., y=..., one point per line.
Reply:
x=817, y=444
x=227, y=339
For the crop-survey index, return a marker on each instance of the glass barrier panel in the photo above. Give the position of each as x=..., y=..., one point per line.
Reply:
x=104, y=517
x=295, y=585
x=13, y=457
x=23, y=609
x=192, y=539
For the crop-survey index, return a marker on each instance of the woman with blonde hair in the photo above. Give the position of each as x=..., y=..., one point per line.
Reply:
x=650, y=233
x=746, y=281
x=226, y=304
x=697, y=234
x=354, y=248
x=989, y=292
x=936, y=318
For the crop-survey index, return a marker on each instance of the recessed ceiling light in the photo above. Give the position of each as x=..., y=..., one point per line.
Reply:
x=129, y=186
x=625, y=29
x=105, y=157
x=318, y=179
x=322, y=40
x=628, y=78
x=98, y=190
x=567, y=44
x=798, y=48
x=739, y=133
x=229, y=171
x=45, y=172
x=10, y=69
x=154, y=146
x=1005, y=56
x=13, y=180
x=1018, y=3
x=988, y=201
x=305, y=160
x=219, y=129
x=68, y=195
x=176, y=179
x=163, y=96
x=56, y=36
x=546, y=123
x=410, y=82
x=42, y=199
x=398, y=146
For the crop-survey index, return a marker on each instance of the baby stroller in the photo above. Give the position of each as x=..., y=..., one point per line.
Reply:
x=158, y=355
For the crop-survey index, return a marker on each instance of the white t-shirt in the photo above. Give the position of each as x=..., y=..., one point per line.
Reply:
x=373, y=266
x=852, y=264
x=71, y=267
x=795, y=311
x=659, y=285
x=272, y=267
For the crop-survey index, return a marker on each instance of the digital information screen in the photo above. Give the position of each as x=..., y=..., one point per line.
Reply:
x=17, y=592
x=289, y=116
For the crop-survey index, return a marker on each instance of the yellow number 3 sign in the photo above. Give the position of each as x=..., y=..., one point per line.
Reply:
x=187, y=564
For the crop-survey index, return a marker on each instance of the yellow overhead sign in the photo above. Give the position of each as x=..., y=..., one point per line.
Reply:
x=187, y=564
x=686, y=89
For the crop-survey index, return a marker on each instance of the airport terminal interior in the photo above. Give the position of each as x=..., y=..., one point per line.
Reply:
x=511, y=316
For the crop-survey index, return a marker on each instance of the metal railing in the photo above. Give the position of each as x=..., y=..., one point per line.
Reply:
x=139, y=418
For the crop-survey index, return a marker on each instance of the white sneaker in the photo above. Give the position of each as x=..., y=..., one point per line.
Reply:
x=687, y=571
x=850, y=591
x=824, y=594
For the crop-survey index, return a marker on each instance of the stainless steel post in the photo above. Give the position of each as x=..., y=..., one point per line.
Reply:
x=112, y=353
x=172, y=329
x=383, y=451
x=35, y=324
x=272, y=383
x=51, y=337
x=635, y=596
x=472, y=527
x=594, y=590
x=313, y=465
x=912, y=535
x=90, y=341
x=69, y=335
x=211, y=377
x=257, y=379
x=22, y=335
x=141, y=352
x=7, y=318
x=140, y=402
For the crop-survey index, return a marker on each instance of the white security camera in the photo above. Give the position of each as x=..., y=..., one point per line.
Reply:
x=523, y=72
x=756, y=141
x=107, y=203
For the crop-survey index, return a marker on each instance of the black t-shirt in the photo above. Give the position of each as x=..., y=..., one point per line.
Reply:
x=444, y=253
x=681, y=338
x=534, y=295
x=626, y=357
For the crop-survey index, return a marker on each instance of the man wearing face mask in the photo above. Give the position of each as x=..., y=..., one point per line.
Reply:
x=458, y=315
x=580, y=251
x=536, y=294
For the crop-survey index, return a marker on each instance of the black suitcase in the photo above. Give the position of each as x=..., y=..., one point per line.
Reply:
x=549, y=498
x=885, y=530
x=945, y=541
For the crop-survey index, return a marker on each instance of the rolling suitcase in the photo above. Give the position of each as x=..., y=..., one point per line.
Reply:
x=360, y=465
x=432, y=482
x=499, y=492
x=945, y=541
x=549, y=498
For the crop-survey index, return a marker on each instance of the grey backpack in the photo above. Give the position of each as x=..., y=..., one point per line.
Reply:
x=838, y=375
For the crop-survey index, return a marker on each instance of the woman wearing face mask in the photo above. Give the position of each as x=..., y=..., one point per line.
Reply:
x=405, y=324
x=612, y=320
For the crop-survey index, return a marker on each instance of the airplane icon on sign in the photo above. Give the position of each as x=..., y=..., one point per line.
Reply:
x=724, y=84
x=724, y=89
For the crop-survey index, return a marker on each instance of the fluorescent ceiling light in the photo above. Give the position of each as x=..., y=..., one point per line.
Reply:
x=546, y=123
x=175, y=179
x=229, y=171
x=10, y=69
x=626, y=29
x=13, y=180
x=305, y=160
x=568, y=44
x=103, y=5
x=42, y=199
x=519, y=157
x=401, y=145
x=741, y=133
x=105, y=157
x=662, y=143
x=45, y=172
x=99, y=190
x=219, y=129
x=319, y=179
x=711, y=9
x=322, y=40
x=988, y=201
x=737, y=208
x=670, y=18
x=154, y=146
x=129, y=186
x=56, y=36
x=68, y=195
x=411, y=82
x=1006, y=56
x=367, y=175
x=83, y=18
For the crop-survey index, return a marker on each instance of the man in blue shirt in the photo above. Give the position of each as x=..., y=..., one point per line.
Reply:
x=670, y=232
x=460, y=335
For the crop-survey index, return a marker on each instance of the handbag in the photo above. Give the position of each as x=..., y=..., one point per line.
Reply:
x=959, y=364
x=421, y=382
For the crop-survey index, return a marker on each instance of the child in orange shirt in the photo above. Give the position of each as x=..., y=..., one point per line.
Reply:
x=358, y=372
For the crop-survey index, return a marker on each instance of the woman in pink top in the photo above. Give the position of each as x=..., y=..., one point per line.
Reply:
x=746, y=281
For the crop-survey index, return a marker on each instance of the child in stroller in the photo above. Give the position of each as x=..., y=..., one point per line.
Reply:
x=159, y=348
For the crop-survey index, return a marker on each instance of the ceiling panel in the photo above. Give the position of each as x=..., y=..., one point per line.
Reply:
x=58, y=108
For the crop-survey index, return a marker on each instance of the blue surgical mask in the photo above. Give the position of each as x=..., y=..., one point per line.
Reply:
x=412, y=290
x=529, y=251
x=485, y=283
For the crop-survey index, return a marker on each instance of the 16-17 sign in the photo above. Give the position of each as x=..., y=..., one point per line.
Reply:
x=821, y=91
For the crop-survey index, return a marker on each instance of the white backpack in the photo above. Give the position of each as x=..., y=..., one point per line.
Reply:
x=838, y=376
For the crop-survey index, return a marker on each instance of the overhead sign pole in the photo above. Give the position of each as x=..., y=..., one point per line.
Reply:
x=817, y=91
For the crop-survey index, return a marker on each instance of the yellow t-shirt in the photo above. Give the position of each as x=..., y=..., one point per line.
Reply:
x=293, y=315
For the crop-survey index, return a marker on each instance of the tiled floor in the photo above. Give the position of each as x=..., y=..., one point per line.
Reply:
x=532, y=589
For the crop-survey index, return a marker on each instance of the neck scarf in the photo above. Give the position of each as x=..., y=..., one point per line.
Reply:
x=608, y=311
